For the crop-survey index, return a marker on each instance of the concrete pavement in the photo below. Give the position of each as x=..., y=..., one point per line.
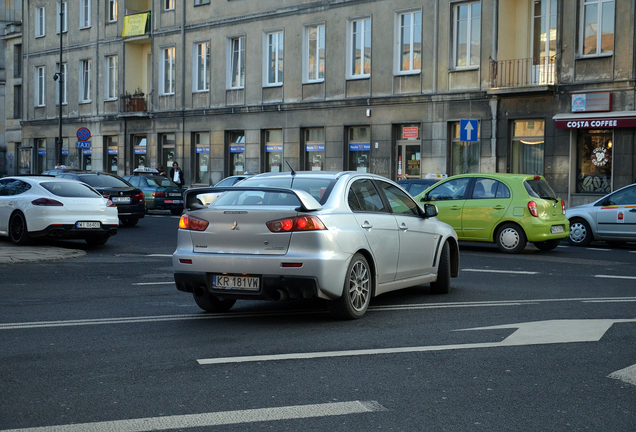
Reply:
x=12, y=254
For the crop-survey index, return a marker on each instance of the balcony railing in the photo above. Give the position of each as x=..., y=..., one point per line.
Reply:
x=133, y=103
x=522, y=72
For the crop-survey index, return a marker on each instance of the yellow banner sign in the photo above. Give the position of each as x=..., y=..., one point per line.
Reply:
x=135, y=25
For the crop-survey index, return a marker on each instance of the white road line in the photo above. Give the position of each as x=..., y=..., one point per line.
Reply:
x=237, y=315
x=218, y=418
x=614, y=277
x=627, y=375
x=155, y=283
x=610, y=301
x=159, y=255
x=599, y=249
x=499, y=271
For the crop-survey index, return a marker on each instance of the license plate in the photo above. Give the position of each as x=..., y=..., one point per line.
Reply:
x=233, y=282
x=121, y=200
x=174, y=194
x=88, y=225
x=173, y=201
x=556, y=229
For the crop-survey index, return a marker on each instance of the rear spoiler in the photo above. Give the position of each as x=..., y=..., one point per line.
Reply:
x=192, y=202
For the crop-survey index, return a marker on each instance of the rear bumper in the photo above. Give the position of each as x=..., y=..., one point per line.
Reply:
x=539, y=230
x=68, y=231
x=161, y=204
x=132, y=210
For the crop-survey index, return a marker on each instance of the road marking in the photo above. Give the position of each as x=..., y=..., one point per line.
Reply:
x=154, y=283
x=237, y=315
x=614, y=277
x=499, y=271
x=599, y=249
x=218, y=418
x=530, y=333
x=160, y=255
x=627, y=375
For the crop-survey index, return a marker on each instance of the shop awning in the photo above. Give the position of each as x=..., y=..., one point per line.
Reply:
x=605, y=120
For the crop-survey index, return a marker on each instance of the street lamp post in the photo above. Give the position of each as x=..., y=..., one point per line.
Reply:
x=60, y=77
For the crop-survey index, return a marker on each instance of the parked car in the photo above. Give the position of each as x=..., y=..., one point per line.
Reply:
x=506, y=209
x=160, y=193
x=340, y=236
x=128, y=199
x=417, y=186
x=232, y=180
x=44, y=206
x=611, y=219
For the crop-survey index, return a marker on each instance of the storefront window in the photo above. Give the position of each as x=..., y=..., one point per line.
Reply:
x=24, y=164
x=359, y=148
x=408, y=151
x=528, y=146
x=237, y=152
x=594, y=161
x=139, y=149
x=314, y=149
x=167, y=150
x=110, y=145
x=70, y=157
x=274, y=150
x=465, y=155
x=202, y=159
x=40, y=145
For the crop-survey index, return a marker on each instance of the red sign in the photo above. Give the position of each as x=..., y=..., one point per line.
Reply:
x=410, y=132
x=597, y=123
x=83, y=134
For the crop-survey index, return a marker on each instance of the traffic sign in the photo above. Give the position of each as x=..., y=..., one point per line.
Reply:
x=469, y=130
x=83, y=144
x=83, y=134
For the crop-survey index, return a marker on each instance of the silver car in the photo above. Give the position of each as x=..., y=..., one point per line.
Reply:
x=611, y=219
x=340, y=236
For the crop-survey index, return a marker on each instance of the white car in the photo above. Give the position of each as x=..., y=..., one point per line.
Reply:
x=611, y=219
x=44, y=206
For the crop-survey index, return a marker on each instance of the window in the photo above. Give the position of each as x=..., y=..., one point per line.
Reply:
x=85, y=81
x=17, y=61
x=111, y=149
x=273, y=64
x=112, y=10
x=167, y=71
x=598, y=27
x=17, y=102
x=359, y=141
x=465, y=154
x=202, y=158
x=274, y=150
x=314, y=58
x=359, y=52
x=409, y=42
x=467, y=34
x=314, y=149
x=594, y=161
x=236, y=68
x=528, y=145
x=39, y=21
x=450, y=190
x=40, y=86
x=201, y=2
x=201, y=69
x=63, y=84
x=85, y=14
x=168, y=4
x=364, y=197
x=110, y=78
x=62, y=7
x=236, y=141
x=486, y=188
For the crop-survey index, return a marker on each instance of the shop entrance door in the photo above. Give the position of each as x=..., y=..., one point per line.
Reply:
x=408, y=160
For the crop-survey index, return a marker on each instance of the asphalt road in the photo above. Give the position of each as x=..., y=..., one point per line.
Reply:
x=528, y=342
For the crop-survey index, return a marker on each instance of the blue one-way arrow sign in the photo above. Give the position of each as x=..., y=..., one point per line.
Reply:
x=468, y=130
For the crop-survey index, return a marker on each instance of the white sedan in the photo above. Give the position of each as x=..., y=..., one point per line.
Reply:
x=44, y=206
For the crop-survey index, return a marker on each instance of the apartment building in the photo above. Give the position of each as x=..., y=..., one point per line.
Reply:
x=381, y=86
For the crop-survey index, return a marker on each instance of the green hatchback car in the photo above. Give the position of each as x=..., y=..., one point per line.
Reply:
x=507, y=209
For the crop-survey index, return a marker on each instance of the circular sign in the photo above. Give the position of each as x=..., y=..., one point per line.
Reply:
x=600, y=156
x=83, y=134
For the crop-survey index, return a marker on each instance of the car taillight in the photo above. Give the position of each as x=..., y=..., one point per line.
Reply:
x=158, y=194
x=110, y=203
x=138, y=197
x=46, y=202
x=299, y=223
x=563, y=206
x=532, y=206
x=192, y=223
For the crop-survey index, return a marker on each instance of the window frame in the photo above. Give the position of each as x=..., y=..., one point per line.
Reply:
x=201, y=2
x=85, y=14
x=172, y=72
x=85, y=67
x=64, y=76
x=398, y=42
x=39, y=96
x=240, y=63
x=111, y=77
x=366, y=20
x=321, y=46
x=111, y=11
x=57, y=20
x=279, y=55
x=599, y=23
x=469, y=29
x=196, y=60
x=168, y=5
x=40, y=22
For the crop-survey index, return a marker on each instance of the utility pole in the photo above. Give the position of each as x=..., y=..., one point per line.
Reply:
x=59, y=76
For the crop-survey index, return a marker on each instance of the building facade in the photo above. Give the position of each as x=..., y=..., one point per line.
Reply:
x=381, y=86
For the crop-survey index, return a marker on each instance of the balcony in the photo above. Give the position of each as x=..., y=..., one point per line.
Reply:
x=527, y=72
x=136, y=103
x=137, y=24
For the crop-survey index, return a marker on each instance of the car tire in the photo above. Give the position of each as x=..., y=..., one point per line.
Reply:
x=176, y=212
x=18, y=232
x=443, y=283
x=547, y=245
x=211, y=303
x=580, y=232
x=356, y=290
x=511, y=238
x=97, y=241
x=129, y=221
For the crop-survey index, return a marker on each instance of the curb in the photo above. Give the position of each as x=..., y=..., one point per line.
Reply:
x=11, y=254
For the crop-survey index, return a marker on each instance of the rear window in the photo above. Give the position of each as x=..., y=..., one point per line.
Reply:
x=100, y=181
x=319, y=188
x=160, y=181
x=256, y=198
x=539, y=189
x=70, y=189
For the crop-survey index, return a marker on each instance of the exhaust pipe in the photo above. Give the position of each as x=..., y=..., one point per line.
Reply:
x=199, y=291
x=282, y=295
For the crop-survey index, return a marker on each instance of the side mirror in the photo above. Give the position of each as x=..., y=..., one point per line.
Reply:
x=430, y=210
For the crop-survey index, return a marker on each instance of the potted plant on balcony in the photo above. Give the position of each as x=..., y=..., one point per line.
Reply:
x=138, y=101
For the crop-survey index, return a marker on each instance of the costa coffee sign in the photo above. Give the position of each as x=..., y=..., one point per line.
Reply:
x=597, y=123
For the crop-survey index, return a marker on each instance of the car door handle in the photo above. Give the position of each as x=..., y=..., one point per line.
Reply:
x=455, y=208
x=366, y=225
x=633, y=210
x=499, y=207
x=403, y=226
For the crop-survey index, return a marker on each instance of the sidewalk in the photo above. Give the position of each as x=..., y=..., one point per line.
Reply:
x=11, y=254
